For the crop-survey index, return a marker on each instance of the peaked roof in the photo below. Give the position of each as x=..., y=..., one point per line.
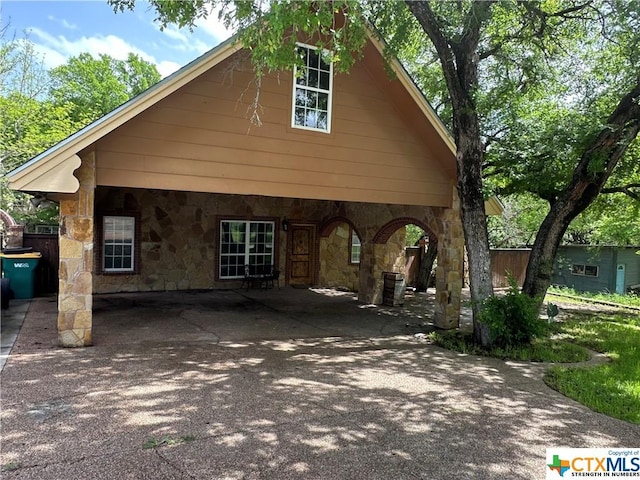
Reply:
x=52, y=170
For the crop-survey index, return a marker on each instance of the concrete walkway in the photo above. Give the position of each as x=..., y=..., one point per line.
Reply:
x=10, y=323
x=275, y=384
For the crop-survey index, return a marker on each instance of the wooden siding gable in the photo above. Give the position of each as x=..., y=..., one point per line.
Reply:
x=200, y=139
x=191, y=132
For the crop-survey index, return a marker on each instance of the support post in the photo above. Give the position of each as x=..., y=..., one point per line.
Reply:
x=76, y=238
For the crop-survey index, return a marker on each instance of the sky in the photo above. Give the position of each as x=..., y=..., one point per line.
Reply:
x=63, y=29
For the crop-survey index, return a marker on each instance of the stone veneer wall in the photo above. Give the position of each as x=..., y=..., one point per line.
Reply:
x=381, y=258
x=336, y=271
x=179, y=241
x=76, y=241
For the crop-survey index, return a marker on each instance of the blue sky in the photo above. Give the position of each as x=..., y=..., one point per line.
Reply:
x=63, y=29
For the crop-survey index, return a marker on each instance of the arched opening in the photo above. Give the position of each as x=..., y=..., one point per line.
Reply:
x=408, y=246
x=340, y=249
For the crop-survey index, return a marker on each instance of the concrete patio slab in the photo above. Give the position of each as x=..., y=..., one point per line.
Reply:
x=289, y=384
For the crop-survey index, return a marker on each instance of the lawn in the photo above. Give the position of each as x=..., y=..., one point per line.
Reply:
x=612, y=388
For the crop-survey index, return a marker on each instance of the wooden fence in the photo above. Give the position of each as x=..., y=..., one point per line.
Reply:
x=512, y=260
x=46, y=275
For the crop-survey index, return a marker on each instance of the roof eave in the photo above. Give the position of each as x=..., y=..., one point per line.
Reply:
x=29, y=176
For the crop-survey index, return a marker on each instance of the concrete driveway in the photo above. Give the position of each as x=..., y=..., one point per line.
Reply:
x=275, y=385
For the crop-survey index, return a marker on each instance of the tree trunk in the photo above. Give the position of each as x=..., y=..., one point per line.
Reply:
x=459, y=60
x=426, y=265
x=589, y=176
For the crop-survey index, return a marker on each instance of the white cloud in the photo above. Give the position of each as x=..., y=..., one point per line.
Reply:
x=58, y=49
x=185, y=41
x=63, y=22
x=166, y=68
x=214, y=27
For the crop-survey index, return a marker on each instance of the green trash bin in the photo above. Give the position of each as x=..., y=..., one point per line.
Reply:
x=20, y=269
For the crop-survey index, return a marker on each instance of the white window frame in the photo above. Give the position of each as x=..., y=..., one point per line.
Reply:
x=354, y=236
x=248, y=254
x=582, y=272
x=128, y=232
x=297, y=86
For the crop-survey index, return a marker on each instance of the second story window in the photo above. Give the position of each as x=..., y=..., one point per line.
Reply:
x=312, y=92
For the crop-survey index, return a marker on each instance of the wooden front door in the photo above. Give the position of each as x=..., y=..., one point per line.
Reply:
x=302, y=254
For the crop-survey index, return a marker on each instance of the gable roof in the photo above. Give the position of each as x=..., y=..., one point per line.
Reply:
x=52, y=170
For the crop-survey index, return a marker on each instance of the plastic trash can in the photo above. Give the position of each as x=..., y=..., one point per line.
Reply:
x=20, y=268
x=5, y=293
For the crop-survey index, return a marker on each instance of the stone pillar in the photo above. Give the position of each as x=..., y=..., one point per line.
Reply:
x=369, y=289
x=76, y=260
x=449, y=270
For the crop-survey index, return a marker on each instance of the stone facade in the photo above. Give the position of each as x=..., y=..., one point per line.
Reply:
x=178, y=236
x=336, y=270
x=76, y=260
x=449, y=274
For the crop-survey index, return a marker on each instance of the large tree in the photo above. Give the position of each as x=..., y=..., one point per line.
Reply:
x=96, y=86
x=40, y=108
x=474, y=42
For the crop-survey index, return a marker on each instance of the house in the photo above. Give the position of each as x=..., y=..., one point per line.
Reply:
x=177, y=190
x=593, y=268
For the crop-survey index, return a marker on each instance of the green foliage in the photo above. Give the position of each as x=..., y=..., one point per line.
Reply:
x=519, y=222
x=413, y=234
x=513, y=318
x=614, y=387
x=542, y=349
x=271, y=29
x=96, y=86
x=629, y=299
x=39, y=110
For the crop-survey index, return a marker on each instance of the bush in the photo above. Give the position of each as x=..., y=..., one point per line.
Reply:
x=513, y=319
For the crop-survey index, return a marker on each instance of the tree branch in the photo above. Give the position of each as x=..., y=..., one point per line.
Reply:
x=626, y=189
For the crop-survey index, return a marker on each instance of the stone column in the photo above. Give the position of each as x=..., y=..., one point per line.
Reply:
x=76, y=260
x=369, y=289
x=449, y=269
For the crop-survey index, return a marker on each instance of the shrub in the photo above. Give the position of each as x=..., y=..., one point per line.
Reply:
x=513, y=319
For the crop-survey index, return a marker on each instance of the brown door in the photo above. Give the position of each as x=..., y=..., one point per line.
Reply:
x=303, y=240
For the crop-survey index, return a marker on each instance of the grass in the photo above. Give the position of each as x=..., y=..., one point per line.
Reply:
x=612, y=388
x=629, y=300
x=539, y=350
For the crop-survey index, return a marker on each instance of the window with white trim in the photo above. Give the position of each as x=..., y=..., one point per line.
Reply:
x=244, y=243
x=312, y=91
x=584, y=270
x=355, y=248
x=118, y=243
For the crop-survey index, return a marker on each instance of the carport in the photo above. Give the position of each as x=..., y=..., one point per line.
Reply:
x=254, y=315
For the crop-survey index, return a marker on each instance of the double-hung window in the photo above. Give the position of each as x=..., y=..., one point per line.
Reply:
x=244, y=243
x=354, y=256
x=118, y=236
x=312, y=91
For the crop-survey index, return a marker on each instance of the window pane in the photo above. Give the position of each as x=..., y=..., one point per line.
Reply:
x=255, y=248
x=312, y=92
x=323, y=101
x=118, y=237
x=312, y=80
x=322, y=121
x=591, y=270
